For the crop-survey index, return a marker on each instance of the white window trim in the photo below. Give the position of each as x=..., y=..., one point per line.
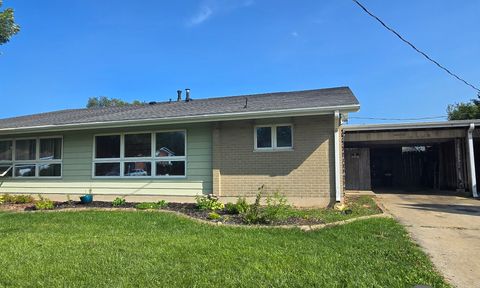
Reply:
x=274, y=148
x=152, y=159
x=36, y=162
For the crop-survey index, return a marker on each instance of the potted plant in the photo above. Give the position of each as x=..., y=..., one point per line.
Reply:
x=87, y=198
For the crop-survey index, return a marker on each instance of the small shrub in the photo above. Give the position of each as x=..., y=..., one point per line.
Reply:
x=253, y=213
x=213, y=216
x=162, y=204
x=2, y=200
x=147, y=205
x=276, y=208
x=117, y=202
x=209, y=203
x=17, y=199
x=44, y=204
x=238, y=208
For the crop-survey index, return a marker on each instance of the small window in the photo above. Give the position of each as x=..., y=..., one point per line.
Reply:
x=264, y=137
x=170, y=144
x=6, y=148
x=107, y=146
x=274, y=137
x=51, y=149
x=137, y=169
x=27, y=170
x=170, y=168
x=138, y=145
x=107, y=169
x=50, y=170
x=25, y=149
x=284, y=136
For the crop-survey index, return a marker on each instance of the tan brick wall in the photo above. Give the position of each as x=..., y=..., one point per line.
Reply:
x=307, y=171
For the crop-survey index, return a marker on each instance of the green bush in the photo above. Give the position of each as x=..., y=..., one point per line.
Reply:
x=275, y=209
x=17, y=199
x=162, y=204
x=209, y=203
x=117, y=202
x=2, y=199
x=213, y=216
x=238, y=208
x=44, y=204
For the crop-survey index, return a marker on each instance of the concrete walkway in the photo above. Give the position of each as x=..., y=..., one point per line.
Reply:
x=447, y=228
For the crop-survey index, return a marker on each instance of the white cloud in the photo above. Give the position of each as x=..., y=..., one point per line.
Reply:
x=202, y=15
x=209, y=8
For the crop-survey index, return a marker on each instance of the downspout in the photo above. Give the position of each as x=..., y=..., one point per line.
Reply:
x=471, y=161
x=336, y=141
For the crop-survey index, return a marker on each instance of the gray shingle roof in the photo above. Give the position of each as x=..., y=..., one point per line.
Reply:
x=331, y=97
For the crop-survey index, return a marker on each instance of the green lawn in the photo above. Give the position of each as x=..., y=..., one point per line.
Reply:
x=154, y=249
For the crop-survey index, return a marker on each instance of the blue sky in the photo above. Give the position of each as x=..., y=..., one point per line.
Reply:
x=68, y=51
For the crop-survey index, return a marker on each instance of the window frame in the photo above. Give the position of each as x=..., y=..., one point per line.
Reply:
x=273, y=128
x=152, y=159
x=37, y=162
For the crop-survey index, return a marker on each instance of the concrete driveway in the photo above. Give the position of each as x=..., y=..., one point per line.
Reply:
x=446, y=227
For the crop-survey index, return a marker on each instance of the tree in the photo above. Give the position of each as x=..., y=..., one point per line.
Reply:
x=102, y=101
x=462, y=111
x=8, y=27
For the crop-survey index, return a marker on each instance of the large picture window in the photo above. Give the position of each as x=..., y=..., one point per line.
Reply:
x=135, y=155
x=273, y=137
x=33, y=157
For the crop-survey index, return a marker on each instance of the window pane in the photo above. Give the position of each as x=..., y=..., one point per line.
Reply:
x=264, y=137
x=5, y=151
x=27, y=170
x=107, y=146
x=4, y=169
x=50, y=170
x=170, y=168
x=170, y=144
x=107, y=169
x=138, y=145
x=25, y=149
x=51, y=149
x=138, y=169
x=284, y=136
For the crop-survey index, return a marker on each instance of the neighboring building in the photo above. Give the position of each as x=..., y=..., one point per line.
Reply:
x=413, y=157
x=227, y=146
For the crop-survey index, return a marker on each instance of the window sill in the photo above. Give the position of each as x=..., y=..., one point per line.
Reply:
x=273, y=150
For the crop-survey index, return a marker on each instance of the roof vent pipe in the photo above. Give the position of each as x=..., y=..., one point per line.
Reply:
x=187, y=95
x=179, y=95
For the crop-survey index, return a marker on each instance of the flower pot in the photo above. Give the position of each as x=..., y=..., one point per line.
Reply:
x=85, y=199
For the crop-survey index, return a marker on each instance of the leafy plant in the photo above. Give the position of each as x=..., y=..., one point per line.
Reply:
x=117, y=202
x=17, y=199
x=276, y=208
x=44, y=204
x=253, y=213
x=209, y=202
x=214, y=216
x=2, y=199
x=162, y=204
x=237, y=208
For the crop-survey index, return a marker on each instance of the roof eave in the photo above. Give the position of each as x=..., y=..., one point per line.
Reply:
x=186, y=119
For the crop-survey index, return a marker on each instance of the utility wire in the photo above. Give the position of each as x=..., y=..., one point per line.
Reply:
x=416, y=49
x=397, y=119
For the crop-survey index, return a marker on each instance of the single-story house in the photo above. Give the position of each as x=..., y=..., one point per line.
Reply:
x=226, y=146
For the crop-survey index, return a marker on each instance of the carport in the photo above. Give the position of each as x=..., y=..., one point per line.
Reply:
x=410, y=157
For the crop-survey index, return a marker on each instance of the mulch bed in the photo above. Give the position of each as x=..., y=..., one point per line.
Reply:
x=189, y=209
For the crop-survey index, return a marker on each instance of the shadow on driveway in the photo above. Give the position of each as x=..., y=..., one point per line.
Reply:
x=447, y=208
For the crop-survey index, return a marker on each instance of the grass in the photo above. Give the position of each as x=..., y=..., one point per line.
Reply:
x=359, y=206
x=154, y=249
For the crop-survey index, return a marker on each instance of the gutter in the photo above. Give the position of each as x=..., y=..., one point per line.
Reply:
x=404, y=126
x=471, y=160
x=186, y=119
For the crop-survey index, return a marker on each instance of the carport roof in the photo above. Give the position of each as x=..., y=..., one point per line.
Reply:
x=413, y=125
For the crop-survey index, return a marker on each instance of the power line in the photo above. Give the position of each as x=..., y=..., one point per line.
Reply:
x=398, y=119
x=416, y=49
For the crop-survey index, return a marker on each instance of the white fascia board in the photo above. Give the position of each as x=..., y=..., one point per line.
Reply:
x=418, y=125
x=186, y=119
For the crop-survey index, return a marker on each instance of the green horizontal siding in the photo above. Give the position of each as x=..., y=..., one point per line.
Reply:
x=77, y=167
